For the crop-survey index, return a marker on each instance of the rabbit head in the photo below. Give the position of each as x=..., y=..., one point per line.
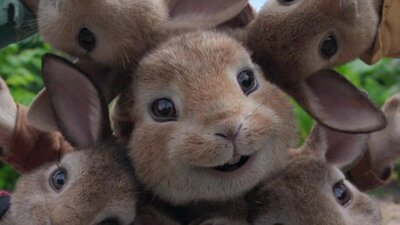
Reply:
x=388, y=139
x=296, y=42
x=102, y=30
x=118, y=33
x=207, y=126
x=297, y=38
x=312, y=189
x=92, y=185
x=385, y=145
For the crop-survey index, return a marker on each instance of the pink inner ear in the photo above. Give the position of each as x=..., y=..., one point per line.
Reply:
x=335, y=102
x=79, y=110
x=203, y=10
x=344, y=148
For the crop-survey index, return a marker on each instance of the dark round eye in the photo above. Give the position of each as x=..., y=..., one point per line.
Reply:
x=86, y=39
x=329, y=47
x=247, y=81
x=286, y=2
x=342, y=194
x=163, y=110
x=58, y=179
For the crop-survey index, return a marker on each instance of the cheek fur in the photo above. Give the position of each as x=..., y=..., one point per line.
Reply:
x=197, y=149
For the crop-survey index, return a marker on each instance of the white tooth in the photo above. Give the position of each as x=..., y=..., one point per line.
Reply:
x=234, y=160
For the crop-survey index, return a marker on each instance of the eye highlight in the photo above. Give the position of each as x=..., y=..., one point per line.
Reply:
x=163, y=110
x=247, y=81
x=86, y=39
x=58, y=179
x=329, y=47
x=342, y=194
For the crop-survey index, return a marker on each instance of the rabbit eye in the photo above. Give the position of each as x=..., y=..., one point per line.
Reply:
x=58, y=179
x=329, y=47
x=342, y=194
x=86, y=39
x=163, y=110
x=247, y=81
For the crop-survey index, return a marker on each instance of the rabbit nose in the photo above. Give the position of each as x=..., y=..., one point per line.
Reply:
x=231, y=135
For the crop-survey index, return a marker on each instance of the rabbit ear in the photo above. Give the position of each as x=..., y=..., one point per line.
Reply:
x=337, y=148
x=344, y=148
x=392, y=105
x=335, y=102
x=40, y=113
x=79, y=108
x=205, y=12
x=110, y=82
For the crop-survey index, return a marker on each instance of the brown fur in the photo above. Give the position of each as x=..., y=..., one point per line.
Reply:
x=99, y=182
x=126, y=29
x=117, y=24
x=385, y=145
x=302, y=194
x=285, y=40
x=100, y=186
x=198, y=72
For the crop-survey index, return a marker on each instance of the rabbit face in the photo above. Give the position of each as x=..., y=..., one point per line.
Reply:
x=311, y=192
x=83, y=188
x=102, y=30
x=207, y=125
x=294, y=39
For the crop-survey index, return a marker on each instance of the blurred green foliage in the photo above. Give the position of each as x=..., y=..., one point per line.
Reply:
x=20, y=67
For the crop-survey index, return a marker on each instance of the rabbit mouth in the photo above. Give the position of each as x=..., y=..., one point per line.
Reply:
x=234, y=164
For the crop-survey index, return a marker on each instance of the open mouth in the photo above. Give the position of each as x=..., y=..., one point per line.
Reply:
x=236, y=163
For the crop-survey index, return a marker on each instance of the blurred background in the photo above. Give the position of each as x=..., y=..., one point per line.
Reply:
x=257, y=3
x=20, y=68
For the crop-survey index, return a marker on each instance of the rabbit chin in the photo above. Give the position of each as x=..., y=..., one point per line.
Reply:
x=186, y=184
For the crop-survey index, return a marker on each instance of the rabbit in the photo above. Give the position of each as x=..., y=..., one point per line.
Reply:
x=119, y=33
x=207, y=125
x=311, y=190
x=390, y=213
x=91, y=35
x=92, y=185
x=109, y=80
x=20, y=141
x=297, y=42
x=384, y=146
x=25, y=144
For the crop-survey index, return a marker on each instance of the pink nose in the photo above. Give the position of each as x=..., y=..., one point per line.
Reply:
x=231, y=135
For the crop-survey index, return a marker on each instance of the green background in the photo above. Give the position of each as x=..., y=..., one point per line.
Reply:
x=20, y=68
